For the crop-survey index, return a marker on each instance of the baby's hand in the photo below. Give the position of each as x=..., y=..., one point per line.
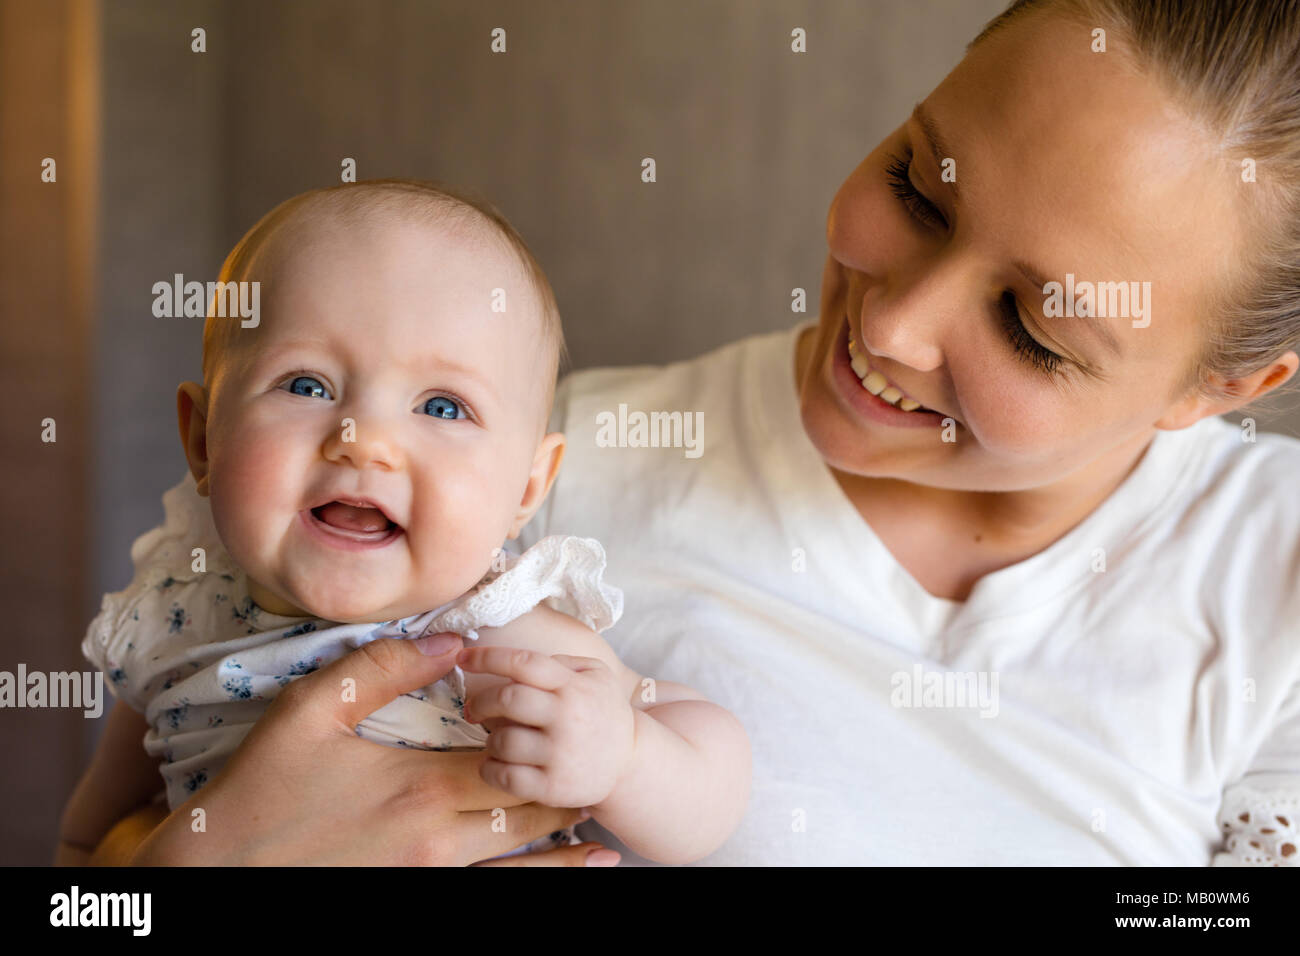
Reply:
x=562, y=731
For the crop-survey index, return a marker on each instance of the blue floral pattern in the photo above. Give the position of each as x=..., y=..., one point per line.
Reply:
x=196, y=655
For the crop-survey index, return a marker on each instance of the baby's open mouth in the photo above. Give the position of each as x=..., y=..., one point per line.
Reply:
x=354, y=523
x=345, y=517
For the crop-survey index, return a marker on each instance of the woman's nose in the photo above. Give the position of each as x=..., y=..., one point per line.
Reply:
x=908, y=317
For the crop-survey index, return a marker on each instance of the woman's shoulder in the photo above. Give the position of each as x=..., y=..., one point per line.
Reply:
x=1231, y=526
x=1236, y=466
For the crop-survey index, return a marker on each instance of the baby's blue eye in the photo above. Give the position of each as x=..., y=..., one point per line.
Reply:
x=441, y=407
x=311, y=387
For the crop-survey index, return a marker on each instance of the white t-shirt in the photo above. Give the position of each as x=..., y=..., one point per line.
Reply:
x=1130, y=715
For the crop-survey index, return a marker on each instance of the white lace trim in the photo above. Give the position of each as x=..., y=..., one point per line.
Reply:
x=562, y=570
x=1260, y=829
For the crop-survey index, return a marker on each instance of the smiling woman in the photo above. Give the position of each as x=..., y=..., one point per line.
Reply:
x=1053, y=525
x=1069, y=162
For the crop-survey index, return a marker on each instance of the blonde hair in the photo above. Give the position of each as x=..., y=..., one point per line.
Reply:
x=423, y=199
x=1235, y=64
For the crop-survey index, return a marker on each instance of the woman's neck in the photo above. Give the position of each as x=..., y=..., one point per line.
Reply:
x=948, y=539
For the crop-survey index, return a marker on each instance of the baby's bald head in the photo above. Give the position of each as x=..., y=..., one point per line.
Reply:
x=288, y=229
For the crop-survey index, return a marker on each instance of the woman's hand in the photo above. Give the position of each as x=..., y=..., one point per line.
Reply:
x=304, y=789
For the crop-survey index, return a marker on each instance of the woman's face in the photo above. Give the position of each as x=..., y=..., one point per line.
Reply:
x=1065, y=161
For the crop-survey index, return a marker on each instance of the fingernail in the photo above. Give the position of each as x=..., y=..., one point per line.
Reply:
x=585, y=814
x=602, y=857
x=435, y=645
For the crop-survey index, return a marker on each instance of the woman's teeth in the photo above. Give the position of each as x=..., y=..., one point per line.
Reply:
x=877, y=384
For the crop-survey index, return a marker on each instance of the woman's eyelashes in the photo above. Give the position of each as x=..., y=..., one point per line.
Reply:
x=445, y=407
x=897, y=175
x=1026, y=346
x=900, y=183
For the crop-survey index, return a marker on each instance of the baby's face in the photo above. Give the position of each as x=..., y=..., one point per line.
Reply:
x=370, y=443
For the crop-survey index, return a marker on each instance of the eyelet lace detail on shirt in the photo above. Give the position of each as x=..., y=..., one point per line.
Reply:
x=1261, y=829
x=564, y=570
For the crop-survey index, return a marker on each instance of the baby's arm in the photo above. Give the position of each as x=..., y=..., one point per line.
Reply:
x=685, y=786
x=121, y=778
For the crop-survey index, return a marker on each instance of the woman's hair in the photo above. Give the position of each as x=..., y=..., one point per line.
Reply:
x=423, y=200
x=1235, y=66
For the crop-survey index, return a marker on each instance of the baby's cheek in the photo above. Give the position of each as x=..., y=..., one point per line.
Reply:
x=244, y=527
x=457, y=545
x=252, y=495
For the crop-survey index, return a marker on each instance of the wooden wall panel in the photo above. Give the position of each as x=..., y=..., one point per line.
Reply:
x=48, y=108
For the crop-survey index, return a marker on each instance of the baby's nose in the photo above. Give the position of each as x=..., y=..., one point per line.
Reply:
x=363, y=444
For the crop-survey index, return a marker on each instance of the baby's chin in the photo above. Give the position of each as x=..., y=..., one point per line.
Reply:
x=361, y=612
x=336, y=605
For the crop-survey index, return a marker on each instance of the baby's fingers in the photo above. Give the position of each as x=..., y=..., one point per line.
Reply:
x=525, y=782
x=515, y=702
x=521, y=745
x=580, y=663
x=527, y=667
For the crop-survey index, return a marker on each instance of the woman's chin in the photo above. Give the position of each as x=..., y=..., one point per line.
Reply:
x=841, y=445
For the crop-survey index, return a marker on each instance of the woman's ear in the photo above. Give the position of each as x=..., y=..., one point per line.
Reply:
x=546, y=465
x=192, y=416
x=1230, y=395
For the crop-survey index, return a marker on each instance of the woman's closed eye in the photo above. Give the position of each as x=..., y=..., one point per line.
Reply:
x=1026, y=347
x=900, y=184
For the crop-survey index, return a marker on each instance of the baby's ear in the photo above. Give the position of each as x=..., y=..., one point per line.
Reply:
x=546, y=465
x=192, y=416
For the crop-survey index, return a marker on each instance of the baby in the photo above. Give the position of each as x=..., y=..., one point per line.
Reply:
x=366, y=447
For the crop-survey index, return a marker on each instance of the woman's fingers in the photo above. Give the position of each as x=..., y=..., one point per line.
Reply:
x=487, y=833
x=358, y=684
x=299, y=791
x=456, y=777
x=583, y=854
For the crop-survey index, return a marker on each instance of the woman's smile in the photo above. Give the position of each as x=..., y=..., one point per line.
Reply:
x=857, y=395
